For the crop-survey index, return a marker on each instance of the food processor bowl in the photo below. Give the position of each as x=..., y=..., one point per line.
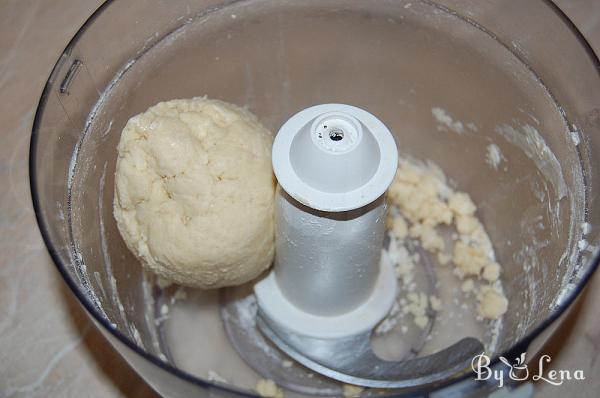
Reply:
x=502, y=95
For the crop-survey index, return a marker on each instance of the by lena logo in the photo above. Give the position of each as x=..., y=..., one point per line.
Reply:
x=519, y=371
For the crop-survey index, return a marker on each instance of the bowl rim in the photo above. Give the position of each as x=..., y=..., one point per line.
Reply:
x=520, y=346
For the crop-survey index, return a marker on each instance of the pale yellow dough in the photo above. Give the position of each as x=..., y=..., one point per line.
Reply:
x=352, y=391
x=425, y=203
x=194, y=192
x=492, y=304
x=268, y=389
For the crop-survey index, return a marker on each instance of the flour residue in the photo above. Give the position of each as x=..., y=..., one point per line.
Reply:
x=575, y=137
x=446, y=122
x=533, y=145
x=494, y=156
x=107, y=130
x=112, y=283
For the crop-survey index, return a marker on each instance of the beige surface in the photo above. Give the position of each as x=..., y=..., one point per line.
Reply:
x=48, y=348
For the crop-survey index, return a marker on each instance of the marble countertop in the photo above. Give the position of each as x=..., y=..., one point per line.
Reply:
x=48, y=346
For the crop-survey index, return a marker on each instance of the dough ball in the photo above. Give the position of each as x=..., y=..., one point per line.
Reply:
x=194, y=192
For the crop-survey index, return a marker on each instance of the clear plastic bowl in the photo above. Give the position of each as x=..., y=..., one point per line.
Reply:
x=496, y=64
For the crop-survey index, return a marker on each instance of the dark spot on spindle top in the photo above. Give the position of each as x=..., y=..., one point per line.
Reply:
x=336, y=134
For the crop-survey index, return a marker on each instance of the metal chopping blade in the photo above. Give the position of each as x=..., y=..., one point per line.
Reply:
x=352, y=360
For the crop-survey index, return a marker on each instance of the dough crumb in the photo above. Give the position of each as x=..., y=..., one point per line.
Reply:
x=423, y=207
x=268, y=389
x=443, y=258
x=421, y=321
x=492, y=304
x=428, y=236
x=417, y=194
x=467, y=286
x=470, y=260
x=460, y=203
x=417, y=307
x=351, y=391
x=399, y=228
x=466, y=225
x=491, y=272
x=286, y=363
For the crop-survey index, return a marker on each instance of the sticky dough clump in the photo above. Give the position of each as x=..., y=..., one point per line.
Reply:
x=194, y=192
